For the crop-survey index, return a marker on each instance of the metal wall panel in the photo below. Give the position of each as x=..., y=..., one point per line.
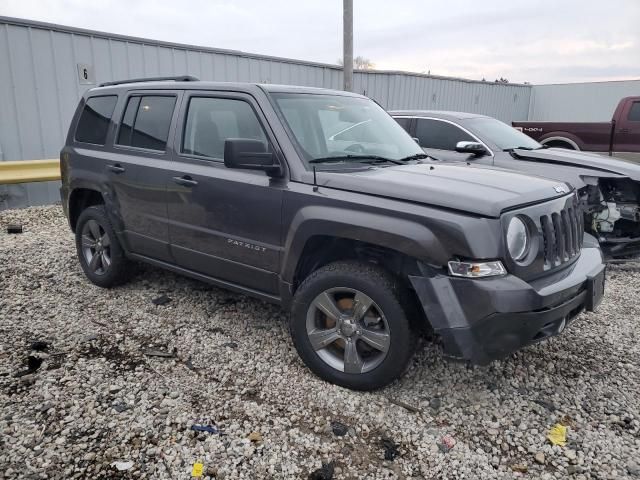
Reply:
x=398, y=90
x=579, y=102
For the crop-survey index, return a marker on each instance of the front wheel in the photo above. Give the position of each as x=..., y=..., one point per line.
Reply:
x=349, y=326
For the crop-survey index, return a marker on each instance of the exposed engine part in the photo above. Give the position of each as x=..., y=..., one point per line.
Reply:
x=606, y=219
x=612, y=213
x=629, y=212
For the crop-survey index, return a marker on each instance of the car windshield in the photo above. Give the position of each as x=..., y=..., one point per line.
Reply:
x=346, y=129
x=501, y=134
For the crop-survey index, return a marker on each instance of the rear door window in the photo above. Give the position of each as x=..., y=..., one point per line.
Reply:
x=440, y=135
x=93, y=125
x=146, y=122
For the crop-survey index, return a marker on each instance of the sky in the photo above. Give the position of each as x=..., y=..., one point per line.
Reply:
x=535, y=41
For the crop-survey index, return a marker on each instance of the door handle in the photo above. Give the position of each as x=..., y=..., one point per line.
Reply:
x=117, y=168
x=185, y=181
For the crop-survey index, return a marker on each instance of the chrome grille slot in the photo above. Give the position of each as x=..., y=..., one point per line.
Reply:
x=561, y=235
x=549, y=240
x=568, y=233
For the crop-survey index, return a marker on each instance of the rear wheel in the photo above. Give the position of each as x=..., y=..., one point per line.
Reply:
x=349, y=325
x=101, y=256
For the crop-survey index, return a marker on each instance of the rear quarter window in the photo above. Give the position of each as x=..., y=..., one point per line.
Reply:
x=94, y=121
x=146, y=122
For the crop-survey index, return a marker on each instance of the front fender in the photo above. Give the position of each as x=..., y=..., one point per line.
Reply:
x=405, y=236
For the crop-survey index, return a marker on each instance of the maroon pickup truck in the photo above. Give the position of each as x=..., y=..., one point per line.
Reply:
x=619, y=137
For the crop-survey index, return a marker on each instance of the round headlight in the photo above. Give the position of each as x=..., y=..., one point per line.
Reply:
x=517, y=239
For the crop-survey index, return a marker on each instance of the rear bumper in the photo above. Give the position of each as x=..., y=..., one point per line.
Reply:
x=485, y=319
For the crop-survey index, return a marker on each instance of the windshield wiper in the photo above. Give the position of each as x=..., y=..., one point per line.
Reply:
x=417, y=156
x=511, y=149
x=358, y=158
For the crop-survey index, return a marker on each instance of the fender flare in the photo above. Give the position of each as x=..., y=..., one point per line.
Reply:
x=405, y=236
x=112, y=210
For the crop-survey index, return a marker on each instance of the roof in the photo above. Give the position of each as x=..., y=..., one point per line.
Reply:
x=229, y=86
x=444, y=114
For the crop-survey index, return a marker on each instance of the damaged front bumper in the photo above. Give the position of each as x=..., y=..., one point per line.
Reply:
x=485, y=319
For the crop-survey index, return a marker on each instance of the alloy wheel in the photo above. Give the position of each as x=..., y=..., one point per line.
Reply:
x=348, y=330
x=96, y=247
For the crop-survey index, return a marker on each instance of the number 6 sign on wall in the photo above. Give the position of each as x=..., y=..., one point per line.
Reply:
x=85, y=74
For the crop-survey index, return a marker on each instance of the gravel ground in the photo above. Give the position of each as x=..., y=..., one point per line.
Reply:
x=97, y=398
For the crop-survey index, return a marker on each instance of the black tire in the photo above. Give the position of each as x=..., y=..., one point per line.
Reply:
x=116, y=272
x=559, y=144
x=388, y=295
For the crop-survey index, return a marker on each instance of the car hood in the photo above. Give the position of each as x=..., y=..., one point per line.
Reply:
x=571, y=165
x=469, y=188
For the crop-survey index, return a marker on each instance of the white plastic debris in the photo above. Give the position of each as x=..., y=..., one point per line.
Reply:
x=122, y=465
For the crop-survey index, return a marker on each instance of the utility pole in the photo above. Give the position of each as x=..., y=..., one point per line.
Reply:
x=347, y=44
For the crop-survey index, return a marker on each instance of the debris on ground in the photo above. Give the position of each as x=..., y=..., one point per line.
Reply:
x=390, y=448
x=206, y=428
x=40, y=346
x=566, y=420
x=122, y=465
x=339, y=429
x=520, y=467
x=230, y=344
x=161, y=300
x=189, y=364
x=446, y=443
x=33, y=364
x=255, y=437
x=197, y=469
x=558, y=435
x=435, y=403
x=405, y=405
x=546, y=404
x=540, y=458
x=159, y=353
x=323, y=473
x=14, y=228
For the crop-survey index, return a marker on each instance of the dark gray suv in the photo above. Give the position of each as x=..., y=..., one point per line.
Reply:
x=319, y=201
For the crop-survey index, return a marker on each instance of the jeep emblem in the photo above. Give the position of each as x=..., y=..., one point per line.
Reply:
x=560, y=189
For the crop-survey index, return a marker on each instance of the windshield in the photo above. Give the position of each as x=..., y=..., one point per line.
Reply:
x=348, y=129
x=504, y=136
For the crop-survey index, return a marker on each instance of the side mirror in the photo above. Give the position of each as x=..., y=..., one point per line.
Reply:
x=249, y=154
x=416, y=139
x=475, y=148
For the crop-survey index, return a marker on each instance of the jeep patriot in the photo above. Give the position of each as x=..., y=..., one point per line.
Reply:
x=319, y=201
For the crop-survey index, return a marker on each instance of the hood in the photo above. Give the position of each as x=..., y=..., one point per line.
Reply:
x=571, y=165
x=474, y=189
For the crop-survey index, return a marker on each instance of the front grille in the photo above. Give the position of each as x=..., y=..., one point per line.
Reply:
x=561, y=235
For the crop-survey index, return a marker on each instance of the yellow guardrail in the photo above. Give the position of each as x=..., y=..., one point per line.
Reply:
x=25, y=171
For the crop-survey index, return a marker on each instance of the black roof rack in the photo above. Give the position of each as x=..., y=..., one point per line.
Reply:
x=183, y=78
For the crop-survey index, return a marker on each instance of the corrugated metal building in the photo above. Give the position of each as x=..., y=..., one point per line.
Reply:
x=45, y=68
